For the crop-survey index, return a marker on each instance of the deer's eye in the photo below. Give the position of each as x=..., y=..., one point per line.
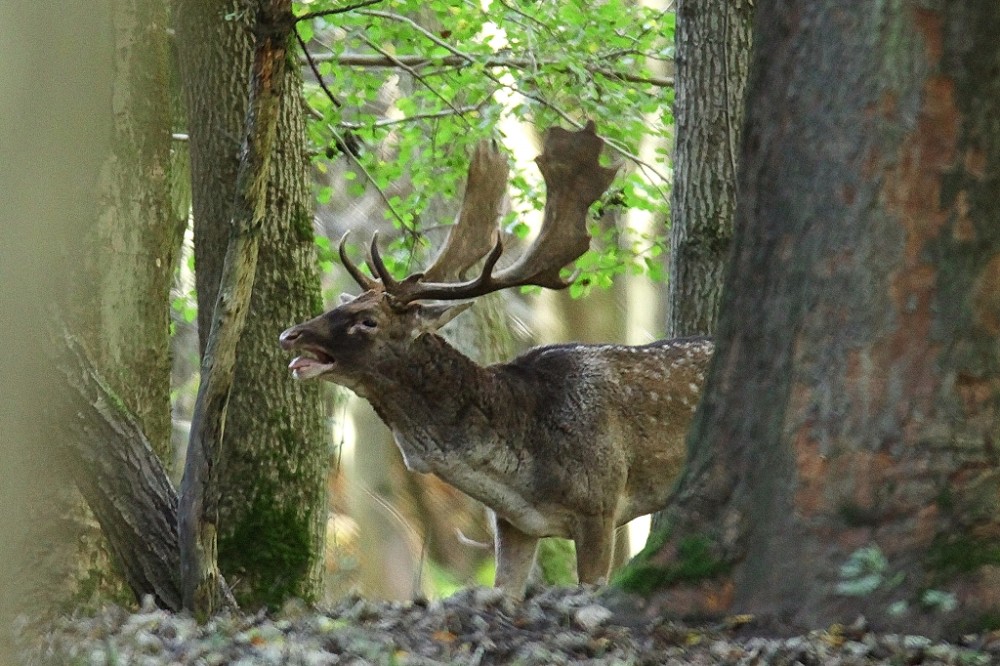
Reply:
x=369, y=323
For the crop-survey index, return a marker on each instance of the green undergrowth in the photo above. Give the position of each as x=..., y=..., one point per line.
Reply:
x=695, y=561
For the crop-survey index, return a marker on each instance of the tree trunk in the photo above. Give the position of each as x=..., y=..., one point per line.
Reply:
x=712, y=58
x=123, y=481
x=138, y=236
x=119, y=305
x=57, y=71
x=845, y=456
x=271, y=488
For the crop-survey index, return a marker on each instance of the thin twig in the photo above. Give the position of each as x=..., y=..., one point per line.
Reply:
x=416, y=75
x=413, y=61
x=349, y=144
x=315, y=70
x=462, y=110
x=338, y=10
x=341, y=140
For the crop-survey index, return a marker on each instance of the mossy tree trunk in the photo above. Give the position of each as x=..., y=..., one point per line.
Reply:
x=138, y=236
x=271, y=489
x=118, y=307
x=844, y=452
x=712, y=55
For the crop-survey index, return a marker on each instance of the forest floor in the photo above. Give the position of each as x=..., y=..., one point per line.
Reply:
x=475, y=626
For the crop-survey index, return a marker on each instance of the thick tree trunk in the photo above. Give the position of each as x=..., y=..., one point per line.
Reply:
x=712, y=58
x=57, y=72
x=119, y=305
x=271, y=488
x=138, y=235
x=844, y=451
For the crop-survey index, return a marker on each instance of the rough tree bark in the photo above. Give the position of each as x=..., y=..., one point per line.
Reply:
x=851, y=414
x=202, y=492
x=138, y=237
x=122, y=479
x=118, y=307
x=271, y=488
x=712, y=56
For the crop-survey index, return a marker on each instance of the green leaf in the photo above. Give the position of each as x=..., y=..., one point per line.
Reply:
x=305, y=30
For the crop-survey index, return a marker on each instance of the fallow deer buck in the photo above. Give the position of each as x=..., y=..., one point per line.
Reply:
x=566, y=440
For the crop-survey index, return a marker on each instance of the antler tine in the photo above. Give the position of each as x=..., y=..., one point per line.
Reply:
x=377, y=266
x=574, y=179
x=363, y=280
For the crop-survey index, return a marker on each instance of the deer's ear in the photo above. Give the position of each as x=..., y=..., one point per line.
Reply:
x=433, y=317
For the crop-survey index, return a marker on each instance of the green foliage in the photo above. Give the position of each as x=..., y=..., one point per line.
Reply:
x=959, y=554
x=557, y=560
x=451, y=72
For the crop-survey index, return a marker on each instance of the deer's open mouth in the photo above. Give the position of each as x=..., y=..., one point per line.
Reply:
x=311, y=364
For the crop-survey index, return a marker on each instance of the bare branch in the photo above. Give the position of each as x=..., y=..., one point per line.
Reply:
x=416, y=61
x=447, y=113
x=338, y=10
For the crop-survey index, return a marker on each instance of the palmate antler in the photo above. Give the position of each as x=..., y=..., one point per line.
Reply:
x=574, y=179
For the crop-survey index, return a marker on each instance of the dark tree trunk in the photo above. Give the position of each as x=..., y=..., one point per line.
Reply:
x=712, y=58
x=849, y=422
x=271, y=479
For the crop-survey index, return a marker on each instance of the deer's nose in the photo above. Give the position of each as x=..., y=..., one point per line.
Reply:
x=288, y=337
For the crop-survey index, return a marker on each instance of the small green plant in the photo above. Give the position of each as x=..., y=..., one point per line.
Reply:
x=865, y=571
x=938, y=601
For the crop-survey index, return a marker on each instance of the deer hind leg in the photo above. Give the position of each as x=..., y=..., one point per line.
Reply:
x=515, y=554
x=595, y=548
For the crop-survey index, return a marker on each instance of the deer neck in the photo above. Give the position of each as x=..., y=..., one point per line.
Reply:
x=442, y=407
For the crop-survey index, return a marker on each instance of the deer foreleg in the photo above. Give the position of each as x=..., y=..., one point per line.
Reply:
x=515, y=554
x=595, y=547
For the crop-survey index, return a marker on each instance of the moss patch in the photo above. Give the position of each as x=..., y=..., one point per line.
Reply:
x=959, y=554
x=268, y=554
x=695, y=561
